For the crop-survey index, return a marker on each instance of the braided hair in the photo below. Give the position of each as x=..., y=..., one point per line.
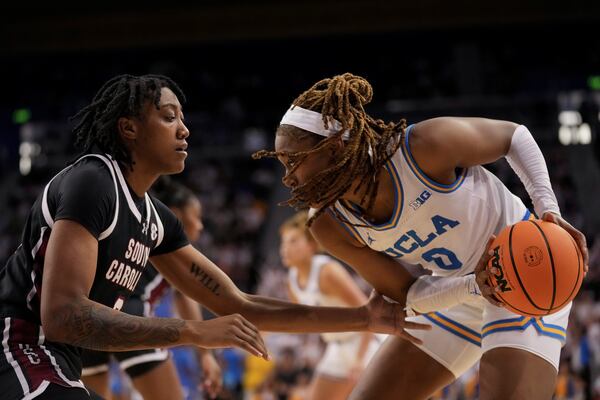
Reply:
x=371, y=143
x=121, y=96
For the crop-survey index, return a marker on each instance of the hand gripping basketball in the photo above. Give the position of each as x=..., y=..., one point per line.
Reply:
x=482, y=275
x=577, y=236
x=535, y=267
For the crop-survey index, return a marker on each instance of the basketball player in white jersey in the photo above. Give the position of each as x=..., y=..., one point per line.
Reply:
x=316, y=279
x=384, y=196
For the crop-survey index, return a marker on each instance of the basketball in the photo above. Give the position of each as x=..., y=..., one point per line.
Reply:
x=540, y=267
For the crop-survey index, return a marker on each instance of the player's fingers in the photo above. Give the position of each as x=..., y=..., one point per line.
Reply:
x=373, y=294
x=485, y=257
x=482, y=277
x=582, y=244
x=245, y=342
x=255, y=333
x=415, y=325
x=577, y=236
x=487, y=290
x=410, y=338
x=255, y=342
x=209, y=387
x=493, y=300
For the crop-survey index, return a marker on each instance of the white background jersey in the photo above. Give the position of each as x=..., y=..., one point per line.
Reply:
x=311, y=293
x=444, y=228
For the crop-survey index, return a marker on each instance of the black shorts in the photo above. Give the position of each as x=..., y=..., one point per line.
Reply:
x=54, y=392
x=136, y=362
x=30, y=366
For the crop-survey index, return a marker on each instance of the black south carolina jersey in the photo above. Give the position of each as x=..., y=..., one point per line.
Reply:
x=94, y=193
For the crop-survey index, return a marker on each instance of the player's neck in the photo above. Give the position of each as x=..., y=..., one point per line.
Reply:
x=303, y=268
x=138, y=180
x=383, y=207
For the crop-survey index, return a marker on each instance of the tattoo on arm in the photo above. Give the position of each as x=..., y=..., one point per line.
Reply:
x=99, y=328
x=205, y=279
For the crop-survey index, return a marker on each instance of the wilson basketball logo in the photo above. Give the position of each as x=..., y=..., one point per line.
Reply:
x=532, y=256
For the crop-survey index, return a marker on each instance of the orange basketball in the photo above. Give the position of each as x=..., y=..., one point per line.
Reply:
x=540, y=267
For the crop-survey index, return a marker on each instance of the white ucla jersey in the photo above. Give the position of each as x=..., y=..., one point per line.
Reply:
x=311, y=293
x=443, y=228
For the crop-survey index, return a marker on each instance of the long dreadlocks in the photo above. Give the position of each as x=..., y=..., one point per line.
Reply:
x=370, y=145
x=121, y=96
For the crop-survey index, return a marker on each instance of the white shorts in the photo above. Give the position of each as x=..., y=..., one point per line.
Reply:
x=461, y=334
x=340, y=356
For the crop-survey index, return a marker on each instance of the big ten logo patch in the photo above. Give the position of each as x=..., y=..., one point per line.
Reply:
x=419, y=201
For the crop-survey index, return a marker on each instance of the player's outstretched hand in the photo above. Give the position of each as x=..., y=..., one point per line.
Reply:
x=212, y=377
x=388, y=317
x=482, y=274
x=229, y=331
x=578, y=236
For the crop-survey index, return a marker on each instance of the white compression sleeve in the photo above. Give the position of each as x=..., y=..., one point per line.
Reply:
x=433, y=293
x=527, y=160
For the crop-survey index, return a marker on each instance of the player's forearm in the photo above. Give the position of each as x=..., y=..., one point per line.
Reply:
x=527, y=160
x=198, y=278
x=433, y=293
x=90, y=325
x=275, y=315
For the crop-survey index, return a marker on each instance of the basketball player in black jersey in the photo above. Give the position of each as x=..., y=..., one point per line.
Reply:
x=89, y=236
x=152, y=372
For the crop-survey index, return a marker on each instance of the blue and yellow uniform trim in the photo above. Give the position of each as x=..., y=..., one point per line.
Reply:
x=454, y=327
x=398, y=203
x=425, y=180
x=522, y=323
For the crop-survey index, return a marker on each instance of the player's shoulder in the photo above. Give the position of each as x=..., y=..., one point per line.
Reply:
x=329, y=231
x=89, y=176
x=91, y=169
x=432, y=130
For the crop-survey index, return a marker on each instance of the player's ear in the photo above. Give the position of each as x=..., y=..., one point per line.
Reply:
x=127, y=128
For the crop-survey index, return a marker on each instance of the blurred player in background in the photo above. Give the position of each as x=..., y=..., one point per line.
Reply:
x=383, y=195
x=153, y=372
x=317, y=279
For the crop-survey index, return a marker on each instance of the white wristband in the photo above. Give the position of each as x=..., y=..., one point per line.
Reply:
x=527, y=160
x=432, y=293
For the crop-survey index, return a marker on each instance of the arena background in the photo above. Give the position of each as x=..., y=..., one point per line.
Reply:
x=242, y=63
